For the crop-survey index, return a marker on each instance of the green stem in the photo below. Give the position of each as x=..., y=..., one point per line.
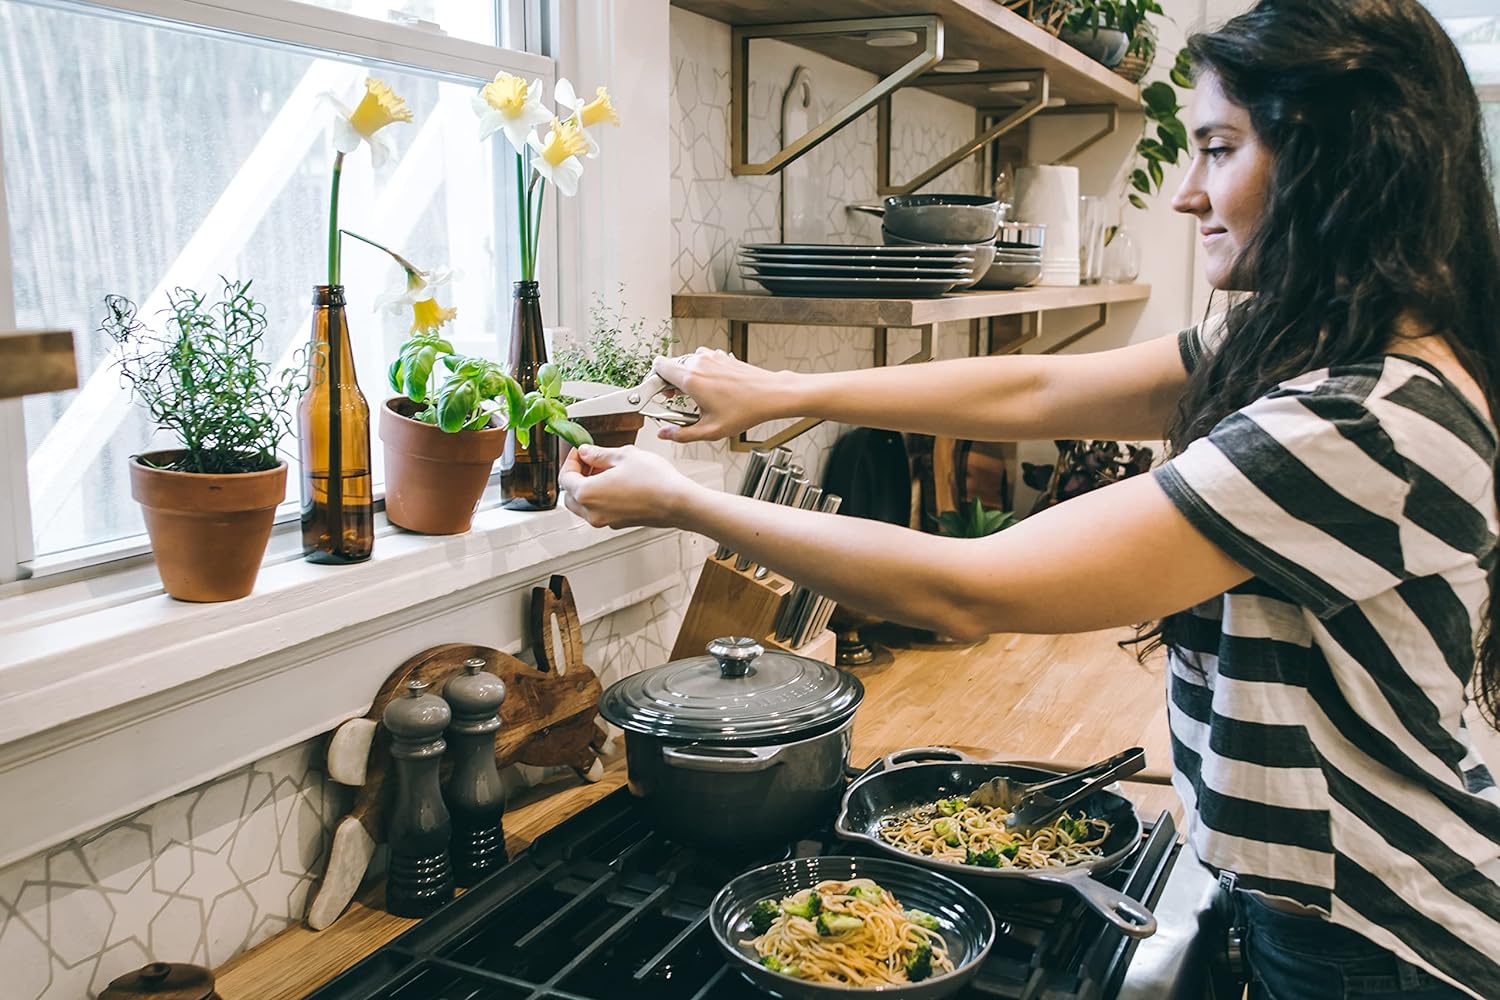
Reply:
x=406, y=264
x=333, y=221
x=536, y=232
x=523, y=202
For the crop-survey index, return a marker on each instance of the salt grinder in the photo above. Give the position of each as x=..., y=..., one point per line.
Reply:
x=420, y=879
x=474, y=793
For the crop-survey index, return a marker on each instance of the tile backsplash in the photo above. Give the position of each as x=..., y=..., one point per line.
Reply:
x=215, y=870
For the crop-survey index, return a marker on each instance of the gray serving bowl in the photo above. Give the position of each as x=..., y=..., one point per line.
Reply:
x=940, y=218
x=982, y=252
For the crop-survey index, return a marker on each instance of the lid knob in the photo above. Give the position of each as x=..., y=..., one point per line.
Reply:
x=735, y=653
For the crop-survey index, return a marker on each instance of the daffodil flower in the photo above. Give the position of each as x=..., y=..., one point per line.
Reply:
x=587, y=114
x=557, y=155
x=510, y=103
x=418, y=296
x=381, y=106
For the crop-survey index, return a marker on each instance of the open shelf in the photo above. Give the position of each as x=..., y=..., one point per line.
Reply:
x=759, y=307
x=997, y=37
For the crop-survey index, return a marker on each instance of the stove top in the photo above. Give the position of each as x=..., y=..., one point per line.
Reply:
x=603, y=908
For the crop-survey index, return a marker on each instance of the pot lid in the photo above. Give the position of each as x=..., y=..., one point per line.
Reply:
x=739, y=693
x=163, y=980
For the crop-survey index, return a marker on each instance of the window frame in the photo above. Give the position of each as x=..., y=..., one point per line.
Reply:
x=282, y=23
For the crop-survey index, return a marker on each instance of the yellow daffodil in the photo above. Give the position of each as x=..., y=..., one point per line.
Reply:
x=417, y=295
x=599, y=111
x=509, y=103
x=427, y=315
x=557, y=155
x=380, y=106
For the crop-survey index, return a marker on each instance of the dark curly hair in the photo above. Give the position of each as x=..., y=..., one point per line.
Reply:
x=1379, y=206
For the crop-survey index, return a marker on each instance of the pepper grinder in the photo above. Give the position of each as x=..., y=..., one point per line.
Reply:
x=420, y=879
x=474, y=793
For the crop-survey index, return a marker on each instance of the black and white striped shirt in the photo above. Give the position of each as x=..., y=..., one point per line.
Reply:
x=1318, y=740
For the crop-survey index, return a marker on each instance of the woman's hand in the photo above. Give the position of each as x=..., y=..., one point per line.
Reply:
x=624, y=487
x=732, y=396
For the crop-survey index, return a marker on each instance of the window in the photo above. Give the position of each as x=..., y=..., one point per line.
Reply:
x=141, y=156
x=1475, y=27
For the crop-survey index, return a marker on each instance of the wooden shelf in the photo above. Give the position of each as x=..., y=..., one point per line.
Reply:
x=758, y=307
x=997, y=37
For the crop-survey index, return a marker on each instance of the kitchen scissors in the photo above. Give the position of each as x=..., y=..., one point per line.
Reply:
x=595, y=399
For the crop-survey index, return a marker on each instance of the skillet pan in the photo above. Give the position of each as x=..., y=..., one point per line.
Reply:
x=916, y=777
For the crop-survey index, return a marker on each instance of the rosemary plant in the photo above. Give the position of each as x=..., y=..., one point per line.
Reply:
x=205, y=378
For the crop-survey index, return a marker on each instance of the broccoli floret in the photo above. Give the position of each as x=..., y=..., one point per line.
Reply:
x=838, y=923
x=763, y=914
x=986, y=858
x=809, y=907
x=1010, y=850
x=919, y=966
x=773, y=963
x=1076, y=828
x=870, y=892
x=953, y=806
x=923, y=919
x=948, y=830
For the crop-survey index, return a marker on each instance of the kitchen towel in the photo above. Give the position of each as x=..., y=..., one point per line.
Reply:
x=1049, y=195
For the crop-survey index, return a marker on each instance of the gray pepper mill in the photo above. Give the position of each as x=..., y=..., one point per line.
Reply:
x=420, y=879
x=474, y=793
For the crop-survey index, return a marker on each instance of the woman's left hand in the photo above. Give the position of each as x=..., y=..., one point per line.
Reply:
x=624, y=487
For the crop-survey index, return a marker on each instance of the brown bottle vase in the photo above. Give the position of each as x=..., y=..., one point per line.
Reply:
x=528, y=476
x=333, y=429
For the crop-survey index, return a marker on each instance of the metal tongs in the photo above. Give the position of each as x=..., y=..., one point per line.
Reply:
x=596, y=399
x=1034, y=804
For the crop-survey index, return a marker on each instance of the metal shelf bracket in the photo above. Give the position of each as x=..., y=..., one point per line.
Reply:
x=930, y=25
x=1111, y=124
x=739, y=346
x=1038, y=88
x=1078, y=334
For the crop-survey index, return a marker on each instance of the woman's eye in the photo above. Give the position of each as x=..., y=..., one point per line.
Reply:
x=1217, y=152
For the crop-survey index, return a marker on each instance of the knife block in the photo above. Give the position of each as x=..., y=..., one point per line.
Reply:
x=730, y=602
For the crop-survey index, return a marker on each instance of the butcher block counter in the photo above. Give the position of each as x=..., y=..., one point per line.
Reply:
x=1071, y=698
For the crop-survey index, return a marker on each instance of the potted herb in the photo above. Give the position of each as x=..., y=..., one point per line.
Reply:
x=616, y=353
x=974, y=521
x=446, y=427
x=209, y=505
x=1094, y=27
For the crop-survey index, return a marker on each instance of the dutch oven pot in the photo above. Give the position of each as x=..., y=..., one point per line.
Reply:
x=739, y=749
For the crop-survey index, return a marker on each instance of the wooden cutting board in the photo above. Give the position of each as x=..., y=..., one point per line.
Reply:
x=546, y=720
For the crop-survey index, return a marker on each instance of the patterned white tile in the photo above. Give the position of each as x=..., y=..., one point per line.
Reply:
x=120, y=857
x=229, y=923
x=214, y=818
x=24, y=959
x=80, y=921
x=125, y=957
x=176, y=933
x=172, y=868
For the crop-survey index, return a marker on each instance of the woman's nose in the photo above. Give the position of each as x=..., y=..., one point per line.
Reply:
x=1190, y=198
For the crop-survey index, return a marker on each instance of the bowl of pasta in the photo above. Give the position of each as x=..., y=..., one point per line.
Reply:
x=828, y=926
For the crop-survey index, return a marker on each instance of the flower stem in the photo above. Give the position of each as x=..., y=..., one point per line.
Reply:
x=523, y=203
x=333, y=221
x=536, y=232
x=405, y=264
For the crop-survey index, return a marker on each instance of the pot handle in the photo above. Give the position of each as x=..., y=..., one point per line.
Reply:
x=922, y=755
x=721, y=759
x=875, y=210
x=1126, y=914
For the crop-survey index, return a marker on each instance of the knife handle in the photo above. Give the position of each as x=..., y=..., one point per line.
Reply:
x=770, y=488
x=755, y=469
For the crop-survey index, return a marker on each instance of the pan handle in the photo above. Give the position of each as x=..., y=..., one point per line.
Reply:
x=1126, y=914
x=923, y=755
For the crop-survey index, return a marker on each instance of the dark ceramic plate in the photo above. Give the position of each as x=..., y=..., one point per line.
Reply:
x=967, y=925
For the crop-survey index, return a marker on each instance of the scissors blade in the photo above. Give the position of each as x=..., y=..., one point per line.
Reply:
x=595, y=399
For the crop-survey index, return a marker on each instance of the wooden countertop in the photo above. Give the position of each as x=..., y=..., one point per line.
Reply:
x=1073, y=698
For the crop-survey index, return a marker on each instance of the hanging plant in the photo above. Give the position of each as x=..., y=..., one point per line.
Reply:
x=1154, y=152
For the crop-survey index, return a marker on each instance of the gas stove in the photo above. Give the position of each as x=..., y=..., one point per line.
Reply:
x=604, y=908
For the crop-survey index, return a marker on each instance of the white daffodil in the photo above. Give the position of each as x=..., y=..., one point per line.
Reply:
x=417, y=295
x=510, y=103
x=557, y=155
x=600, y=110
x=381, y=106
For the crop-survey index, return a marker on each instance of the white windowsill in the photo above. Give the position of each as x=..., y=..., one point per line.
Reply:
x=128, y=696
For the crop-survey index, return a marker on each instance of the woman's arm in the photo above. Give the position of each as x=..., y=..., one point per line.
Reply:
x=1117, y=556
x=1124, y=394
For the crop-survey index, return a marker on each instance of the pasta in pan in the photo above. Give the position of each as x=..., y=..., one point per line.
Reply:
x=953, y=830
x=851, y=933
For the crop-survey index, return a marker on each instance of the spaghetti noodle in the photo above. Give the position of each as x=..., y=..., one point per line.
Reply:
x=953, y=830
x=851, y=933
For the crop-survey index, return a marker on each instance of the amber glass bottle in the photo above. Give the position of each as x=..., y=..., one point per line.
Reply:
x=333, y=428
x=528, y=476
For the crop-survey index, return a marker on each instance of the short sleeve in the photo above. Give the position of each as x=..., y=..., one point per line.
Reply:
x=1196, y=342
x=1305, y=489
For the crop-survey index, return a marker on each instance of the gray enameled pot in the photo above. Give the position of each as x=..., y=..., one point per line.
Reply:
x=738, y=750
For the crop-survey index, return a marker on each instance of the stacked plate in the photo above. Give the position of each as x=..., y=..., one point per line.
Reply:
x=1019, y=256
x=908, y=271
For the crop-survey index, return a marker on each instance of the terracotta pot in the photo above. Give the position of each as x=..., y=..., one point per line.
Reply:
x=433, y=479
x=209, y=531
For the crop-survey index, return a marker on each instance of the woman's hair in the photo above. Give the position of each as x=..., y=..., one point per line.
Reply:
x=1379, y=206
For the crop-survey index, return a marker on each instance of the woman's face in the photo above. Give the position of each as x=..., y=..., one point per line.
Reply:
x=1225, y=188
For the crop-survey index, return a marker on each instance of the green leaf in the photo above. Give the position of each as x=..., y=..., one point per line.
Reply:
x=570, y=432
x=1138, y=202
x=1156, y=171
x=556, y=410
x=1160, y=98
x=549, y=379
x=394, y=375
x=1140, y=181
x=1152, y=150
x=515, y=401
x=456, y=405
x=1173, y=136
x=534, y=413
x=419, y=373
x=949, y=523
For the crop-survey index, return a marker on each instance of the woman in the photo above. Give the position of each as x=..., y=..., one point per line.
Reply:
x=1320, y=549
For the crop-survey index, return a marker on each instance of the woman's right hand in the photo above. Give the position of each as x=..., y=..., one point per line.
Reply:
x=732, y=396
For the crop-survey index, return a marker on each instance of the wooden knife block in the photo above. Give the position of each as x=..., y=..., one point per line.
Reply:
x=729, y=602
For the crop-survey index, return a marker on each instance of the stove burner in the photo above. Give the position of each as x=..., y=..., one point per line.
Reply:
x=602, y=908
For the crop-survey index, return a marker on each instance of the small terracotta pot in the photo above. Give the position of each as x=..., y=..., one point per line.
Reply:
x=209, y=531
x=433, y=479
